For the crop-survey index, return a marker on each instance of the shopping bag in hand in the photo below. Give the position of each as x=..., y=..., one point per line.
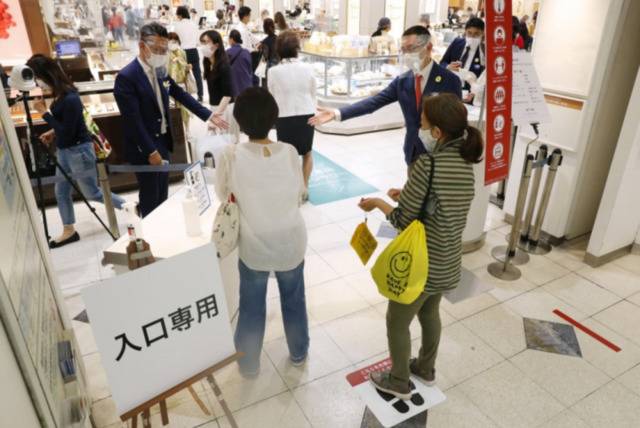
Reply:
x=401, y=270
x=363, y=242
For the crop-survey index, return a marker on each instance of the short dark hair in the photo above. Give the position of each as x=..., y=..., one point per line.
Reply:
x=417, y=30
x=287, y=44
x=475, y=23
x=235, y=36
x=244, y=11
x=183, y=12
x=174, y=36
x=256, y=111
x=269, y=27
x=153, y=29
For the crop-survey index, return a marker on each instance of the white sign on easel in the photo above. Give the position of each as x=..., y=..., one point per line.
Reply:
x=527, y=102
x=160, y=325
x=196, y=182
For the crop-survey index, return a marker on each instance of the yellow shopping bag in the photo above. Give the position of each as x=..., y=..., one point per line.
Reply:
x=363, y=242
x=402, y=269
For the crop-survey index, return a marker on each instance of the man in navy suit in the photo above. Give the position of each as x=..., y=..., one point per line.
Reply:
x=465, y=55
x=142, y=90
x=424, y=78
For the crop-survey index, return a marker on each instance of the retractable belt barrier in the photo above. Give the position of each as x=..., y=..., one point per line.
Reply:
x=525, y=236
x=102, y=174
x=174, y=167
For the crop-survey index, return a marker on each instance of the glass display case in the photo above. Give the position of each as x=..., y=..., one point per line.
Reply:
x=343, y=77
x=351, y=76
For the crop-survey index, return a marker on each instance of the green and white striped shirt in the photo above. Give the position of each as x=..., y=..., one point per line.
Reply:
x=452, y=191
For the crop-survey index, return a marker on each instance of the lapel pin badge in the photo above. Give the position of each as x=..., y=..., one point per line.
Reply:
x=438, y=79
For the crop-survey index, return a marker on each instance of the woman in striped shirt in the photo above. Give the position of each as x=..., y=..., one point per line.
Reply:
x=453, y=147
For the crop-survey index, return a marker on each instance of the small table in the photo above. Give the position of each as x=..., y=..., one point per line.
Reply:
x=165, y=232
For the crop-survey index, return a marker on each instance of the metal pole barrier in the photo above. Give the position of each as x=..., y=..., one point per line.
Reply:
x=533, y=195
x=535, y=245
x=505, y=269
x=103, y=179
x=517, y=256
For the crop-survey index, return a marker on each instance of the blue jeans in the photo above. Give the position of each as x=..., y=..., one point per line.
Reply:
x=74, y=160
x=253, y=310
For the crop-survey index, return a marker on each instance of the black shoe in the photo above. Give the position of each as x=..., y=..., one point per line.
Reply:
x=428, y=378
x=199, y=99
x=73, y=238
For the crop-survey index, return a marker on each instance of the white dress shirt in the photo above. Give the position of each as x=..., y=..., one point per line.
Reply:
x=153, y=80
x=267, y=183
x=188, y=32
x=249, y=41
x=293, y=85
x=425, y=72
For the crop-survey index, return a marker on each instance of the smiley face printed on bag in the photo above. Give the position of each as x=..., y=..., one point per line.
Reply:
x=400, y=264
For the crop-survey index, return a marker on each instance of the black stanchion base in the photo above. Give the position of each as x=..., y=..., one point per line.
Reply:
x=497, y=200
x=369, y=420
x=540, y=248
x=505, y=273
x=500, y=253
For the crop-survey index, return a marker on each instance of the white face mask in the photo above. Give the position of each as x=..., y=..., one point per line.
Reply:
x=207, y=50
x=427, y=139
x=42, y=85
x=174, y=46
x=473, y=42
x=411, y=61
x=157, y=61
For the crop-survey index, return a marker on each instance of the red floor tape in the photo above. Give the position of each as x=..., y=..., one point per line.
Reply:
x=591, y=333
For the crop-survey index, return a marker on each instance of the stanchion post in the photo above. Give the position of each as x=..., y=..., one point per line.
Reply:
x=533, y=194
x=536, y=246
x=103, y=179
x=505, y=269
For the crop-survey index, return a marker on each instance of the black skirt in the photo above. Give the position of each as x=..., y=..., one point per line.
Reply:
x=296, y=131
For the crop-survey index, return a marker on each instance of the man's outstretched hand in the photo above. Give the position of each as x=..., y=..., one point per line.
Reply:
x=323, y=115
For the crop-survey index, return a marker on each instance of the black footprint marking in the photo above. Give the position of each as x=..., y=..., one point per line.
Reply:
x=401, y=406
x=385, y=396
x=417, y=399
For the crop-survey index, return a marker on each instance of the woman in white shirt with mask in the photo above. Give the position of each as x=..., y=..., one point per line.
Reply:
x=293, y=85
x=265, y=180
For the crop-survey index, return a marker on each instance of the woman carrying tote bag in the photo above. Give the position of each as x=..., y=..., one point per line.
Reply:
x=454, y=147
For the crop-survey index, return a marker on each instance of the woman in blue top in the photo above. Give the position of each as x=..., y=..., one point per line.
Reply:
x=75, y=147
x=240, y=62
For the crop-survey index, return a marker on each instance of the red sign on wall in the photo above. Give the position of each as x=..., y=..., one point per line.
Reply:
x=498, y=90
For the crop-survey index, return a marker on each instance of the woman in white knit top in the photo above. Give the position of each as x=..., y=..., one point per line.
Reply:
x=265, y=179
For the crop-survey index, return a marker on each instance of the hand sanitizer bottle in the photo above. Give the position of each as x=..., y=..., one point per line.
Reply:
x=191, y=216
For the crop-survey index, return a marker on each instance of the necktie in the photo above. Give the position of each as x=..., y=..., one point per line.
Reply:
x=156, y=89
x=465, y=55
x=418, y=90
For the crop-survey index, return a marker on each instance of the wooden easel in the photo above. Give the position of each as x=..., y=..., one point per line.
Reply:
x=139, y=255
x=144, y=409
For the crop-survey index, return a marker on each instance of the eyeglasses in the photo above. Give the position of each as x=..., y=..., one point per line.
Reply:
x=158, y=50
x=412, y=49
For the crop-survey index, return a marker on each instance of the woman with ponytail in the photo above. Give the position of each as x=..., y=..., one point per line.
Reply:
x=453, y=146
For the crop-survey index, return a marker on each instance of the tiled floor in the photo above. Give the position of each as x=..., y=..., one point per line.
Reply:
x=484, y=368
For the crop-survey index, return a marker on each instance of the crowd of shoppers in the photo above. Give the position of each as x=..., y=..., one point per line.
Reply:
x=265, y=177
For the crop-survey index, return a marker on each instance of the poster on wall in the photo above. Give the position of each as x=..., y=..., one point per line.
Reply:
x=13, y=33
x=498, y=93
